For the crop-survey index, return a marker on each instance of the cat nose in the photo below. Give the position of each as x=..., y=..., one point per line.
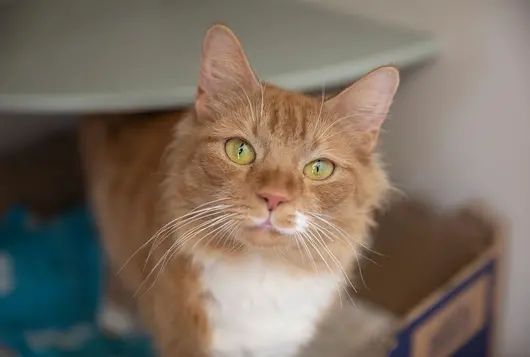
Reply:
x=273, y=200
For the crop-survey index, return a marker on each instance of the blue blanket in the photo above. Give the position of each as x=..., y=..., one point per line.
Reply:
x=51, y=279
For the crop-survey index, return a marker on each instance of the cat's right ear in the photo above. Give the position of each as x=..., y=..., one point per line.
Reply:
x=224, y=68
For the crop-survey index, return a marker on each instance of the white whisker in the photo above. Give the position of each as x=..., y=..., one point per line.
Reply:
x=181, y=241
x=251, y=107
x=309, y=255
x=360, y=271
x=213, y=231
x=297, y=240
x=336, y=121
x=321, y=105
x=311, y=241
x=185, y=222
x=231, y=233
x=167, y=226
x=263, y=87
x=342, y=232
x=332, y=256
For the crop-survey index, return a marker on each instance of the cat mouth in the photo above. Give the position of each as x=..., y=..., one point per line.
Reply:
x=272, y=230
x=266, y=226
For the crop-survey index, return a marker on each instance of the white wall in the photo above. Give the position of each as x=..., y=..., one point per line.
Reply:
x=460, y=127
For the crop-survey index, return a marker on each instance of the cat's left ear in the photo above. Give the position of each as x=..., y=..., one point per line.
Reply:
x=367, y=102
x=224, y=67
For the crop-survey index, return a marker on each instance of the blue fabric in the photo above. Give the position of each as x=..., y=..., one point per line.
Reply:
x=50, y=287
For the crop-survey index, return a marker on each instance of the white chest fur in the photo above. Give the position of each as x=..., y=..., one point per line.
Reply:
x=259, y=310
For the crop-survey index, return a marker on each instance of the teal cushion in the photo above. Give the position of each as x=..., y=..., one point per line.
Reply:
x=50, y=287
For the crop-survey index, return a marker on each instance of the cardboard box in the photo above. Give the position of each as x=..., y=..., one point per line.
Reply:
x=440, y=276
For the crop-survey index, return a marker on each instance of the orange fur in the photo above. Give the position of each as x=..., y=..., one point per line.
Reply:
x=145, y=171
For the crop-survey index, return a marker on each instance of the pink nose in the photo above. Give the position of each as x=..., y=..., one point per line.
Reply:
x=273, y=200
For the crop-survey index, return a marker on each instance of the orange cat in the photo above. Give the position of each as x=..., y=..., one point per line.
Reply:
x=236, y=221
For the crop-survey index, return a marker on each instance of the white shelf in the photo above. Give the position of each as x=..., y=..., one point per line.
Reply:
x=64, y=56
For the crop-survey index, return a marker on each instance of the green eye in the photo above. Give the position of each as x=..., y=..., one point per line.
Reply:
x=240, y=152
x=319, y=169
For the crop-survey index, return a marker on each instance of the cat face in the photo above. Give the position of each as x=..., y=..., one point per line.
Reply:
x=267, y=168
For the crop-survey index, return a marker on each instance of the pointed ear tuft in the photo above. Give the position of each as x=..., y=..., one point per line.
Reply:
x=367, y=101
x=224, y=66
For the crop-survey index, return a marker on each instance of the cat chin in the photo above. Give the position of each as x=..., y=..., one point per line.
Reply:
x=265, y=236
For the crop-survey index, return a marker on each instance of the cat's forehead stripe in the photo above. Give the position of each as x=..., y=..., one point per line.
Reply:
x=289, y=119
